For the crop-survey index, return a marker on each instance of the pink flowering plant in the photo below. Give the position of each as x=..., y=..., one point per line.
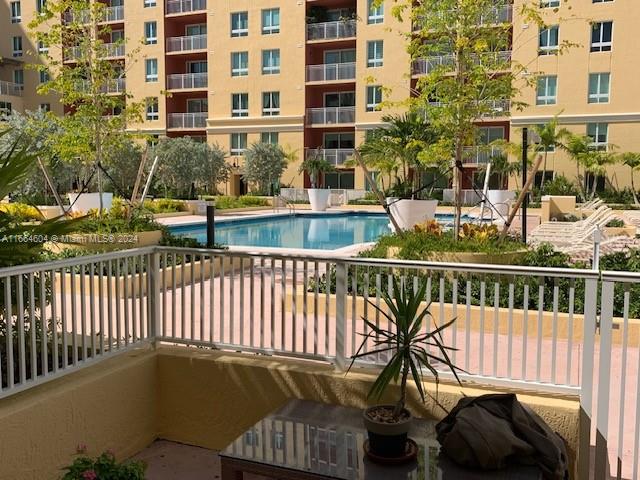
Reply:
x=104, y=467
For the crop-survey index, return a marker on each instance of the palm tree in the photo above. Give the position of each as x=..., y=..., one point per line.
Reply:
x=315, y=165
x=632, y=160
x=17, y=163
x=396, y=147
x=578, y=147
x=596, y=162
x=550, y=136
x=502, y=167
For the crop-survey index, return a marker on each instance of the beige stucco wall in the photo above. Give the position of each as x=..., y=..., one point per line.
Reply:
x=194, y=396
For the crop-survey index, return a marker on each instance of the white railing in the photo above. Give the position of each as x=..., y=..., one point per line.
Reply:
x=114, y=14
x=106, y=50
x=190, y=42
x=112, y=50
x=335, y=156
x=185, y=6
x=180, y=81
x=331, y=72
x=568, y=331
x=331, y=115
x=187, y=120
x=10, y=88
x=491, y=108
x=480, y=154
x=495, y=60
x=493, y=16
x=331, y=30
x=106, y=15
x=117, y=85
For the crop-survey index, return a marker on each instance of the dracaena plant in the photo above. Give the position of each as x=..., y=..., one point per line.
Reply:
x=412, y=345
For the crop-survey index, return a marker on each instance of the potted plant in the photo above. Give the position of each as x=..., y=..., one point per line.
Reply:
x=412, y=348
x=316, y=165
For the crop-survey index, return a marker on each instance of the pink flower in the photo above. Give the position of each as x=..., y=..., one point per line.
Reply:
x=89, y=475
x=81, y=448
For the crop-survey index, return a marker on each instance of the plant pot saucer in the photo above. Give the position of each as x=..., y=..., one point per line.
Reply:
x=411, y=452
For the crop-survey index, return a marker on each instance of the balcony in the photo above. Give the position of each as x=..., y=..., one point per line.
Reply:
x=167, y=327
x=10, y=88
x=480, y=154
x=498, y=61
x=331, y=30
x=109, y=51
x=113, y=14
x=186, y=44
x=335, y=156
x=176, y=7
x=331, y=72
x=187, y=121
x=494, y=108
x=494, y=16
x=187, y=81
x=107, y=15
x=115, y=86
x=331, y=115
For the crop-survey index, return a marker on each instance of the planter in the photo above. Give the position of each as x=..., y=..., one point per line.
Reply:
x=196, y=207
x=101, y=242
x=82, y=203
x=388, y=440
x=48, y=211
x=505, y=258
x=501, y=201
x=409, y=213
x=319, y=199
x=627, y=231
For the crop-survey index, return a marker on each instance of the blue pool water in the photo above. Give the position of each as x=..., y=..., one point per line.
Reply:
x=301, y=230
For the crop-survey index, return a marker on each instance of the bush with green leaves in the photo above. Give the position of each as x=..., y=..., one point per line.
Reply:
x=560, y=185
x=164, y=205
x=118, y=219
x=21, y=212
x=104, y=467
x=264, y=165
x=246, y=201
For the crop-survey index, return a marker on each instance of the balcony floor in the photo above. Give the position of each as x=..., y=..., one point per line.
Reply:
x=175, y=461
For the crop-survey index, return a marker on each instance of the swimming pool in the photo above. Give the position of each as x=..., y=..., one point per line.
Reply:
x=327, y=231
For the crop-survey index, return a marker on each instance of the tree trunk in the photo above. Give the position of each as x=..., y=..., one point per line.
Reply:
x=403, y=390
x=457, y=189
x=544, y=171
x=633, y=188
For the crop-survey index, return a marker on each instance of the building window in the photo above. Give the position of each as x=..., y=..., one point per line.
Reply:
x=238, y=143
x=16, y=43
x=18, y=78
x=270, y=104
x=547, y=91
x=41, y=5
x=149, y=3
x=152, y=109
x=599, y=134
x=374, y=97
x=548, y=40
x=16, y=12
x=239, y=24
x=269, y=137
x=42, y=48
x=5, y=110
x=44, y=107
x=44, y=76
x=150, y=33
x=375, y=52
x=549, y=3
x=239, y=64
x=151, y=69
x=270, y=62
x=240, y=105
x=601, y=1
x=599, y=87
x=601, y=35
x=270, y=21
x=376, y=13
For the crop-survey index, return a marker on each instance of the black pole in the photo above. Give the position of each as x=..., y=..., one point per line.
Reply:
x=211, y=229
x=525, y=147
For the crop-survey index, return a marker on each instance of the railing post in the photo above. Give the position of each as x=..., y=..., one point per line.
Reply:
x=154, y=297
x=341, y=314
x=587, y=380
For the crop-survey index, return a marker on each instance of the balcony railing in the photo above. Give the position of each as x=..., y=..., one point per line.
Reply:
x=480, y=154
x=10, y=88
x=335, y=156
x=569, y=331
x=114, y=14
x=493, y=16
x=495, y=60
x=117, y=85
x=331, y=30
x=113, y=50
x=187, y=121
x=331, y=115
x=494, y=108
x=107, y=15
x=108, y=50
x=331, y=72
x=185, y=6
x=188, y=43
x=182, y=81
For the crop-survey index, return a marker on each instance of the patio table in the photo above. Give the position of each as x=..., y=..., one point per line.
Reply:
x=306, y=440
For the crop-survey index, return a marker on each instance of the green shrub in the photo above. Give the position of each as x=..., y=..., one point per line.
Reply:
x=616, y=223
x=115, y=220
x=560, y=185
x=623, y=197
x=164, y=205
x=104, y=467
x=21, y=212
x=228, y=202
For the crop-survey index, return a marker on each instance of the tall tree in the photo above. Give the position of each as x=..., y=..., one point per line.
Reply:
x=632, y=160
x=550, y=136
x=264, y=164
x=85, y=68
x=472, y=81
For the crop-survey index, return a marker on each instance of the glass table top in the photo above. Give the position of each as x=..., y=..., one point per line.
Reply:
x=327, y=440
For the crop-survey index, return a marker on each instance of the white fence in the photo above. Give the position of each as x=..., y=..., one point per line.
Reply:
x=331, y=72
x=331, y=115
x=185, y=6
x=187, y=43
x=516, y=327
x=331, y=30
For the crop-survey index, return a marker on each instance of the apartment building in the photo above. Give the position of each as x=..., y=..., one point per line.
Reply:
x=308, y=74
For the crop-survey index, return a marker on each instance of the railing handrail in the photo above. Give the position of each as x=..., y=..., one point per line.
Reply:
x=197, y=5
x=188, y=114
x=187, y=75
x=334, y=109
x=10, y=88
